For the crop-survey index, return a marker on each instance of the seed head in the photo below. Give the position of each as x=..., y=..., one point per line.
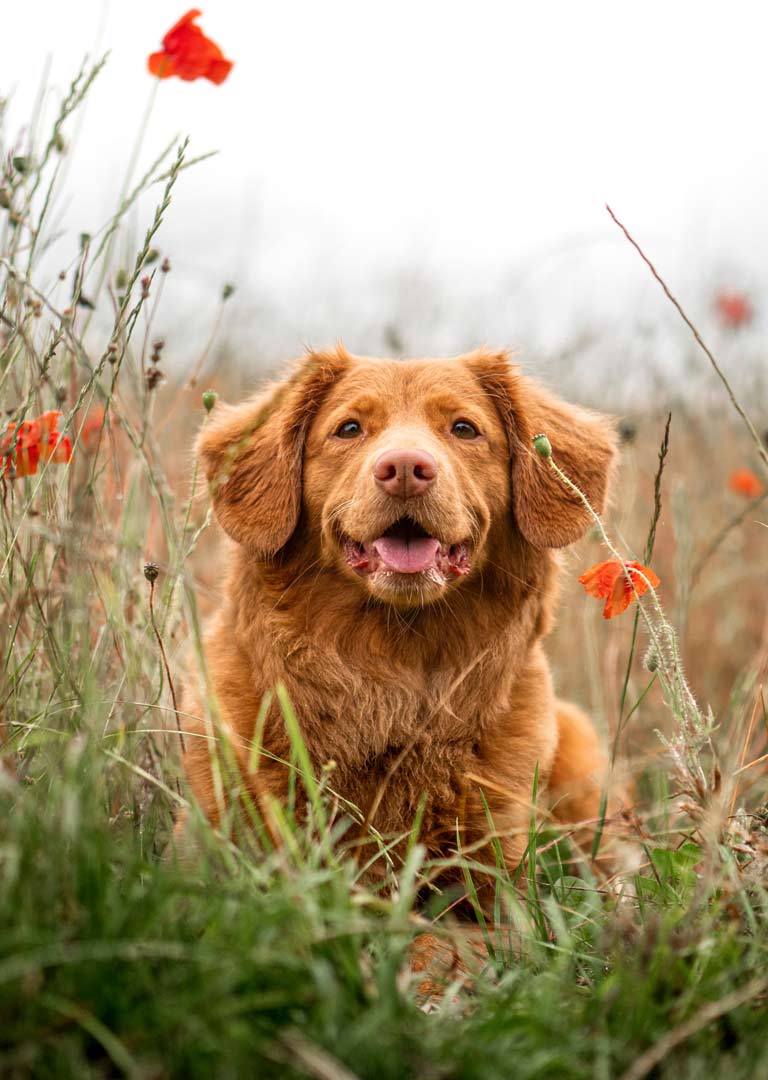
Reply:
x=151, y=571
x=210, y=398
x=153, y=376
x=542, y=446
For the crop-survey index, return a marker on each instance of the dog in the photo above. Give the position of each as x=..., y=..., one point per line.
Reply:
x=392, y=562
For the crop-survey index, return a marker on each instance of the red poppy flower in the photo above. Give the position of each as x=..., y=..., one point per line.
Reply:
x=23, y=460
x=607, y=581
x=36, y=440
x=744, y=482
x=734, y=309
x=189, y=54
x=90, y=433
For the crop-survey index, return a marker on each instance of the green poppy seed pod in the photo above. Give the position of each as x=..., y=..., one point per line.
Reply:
x=210, y=397
x=21, y=164
x=227, y=291
x=542, y=446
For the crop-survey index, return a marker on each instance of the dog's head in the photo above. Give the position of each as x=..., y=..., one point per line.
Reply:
x=404, y=477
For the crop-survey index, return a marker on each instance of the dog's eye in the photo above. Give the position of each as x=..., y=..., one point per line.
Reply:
x=350, y=429
x=462, y=429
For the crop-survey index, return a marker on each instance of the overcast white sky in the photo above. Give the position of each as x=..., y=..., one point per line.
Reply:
x=472, y=145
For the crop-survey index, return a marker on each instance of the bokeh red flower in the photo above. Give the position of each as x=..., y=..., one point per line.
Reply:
x=607, y=581
x=36, y=441
x=734, y=308
x=189, y=54
x=90, y=432
x=744, y=482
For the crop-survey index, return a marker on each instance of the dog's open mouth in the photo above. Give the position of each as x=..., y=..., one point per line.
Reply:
x=406, y=548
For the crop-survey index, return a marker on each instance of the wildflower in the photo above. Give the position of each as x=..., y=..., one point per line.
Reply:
x=90, y=432
x=608, y=581
x=734, y=309
x=35, y=441
x=744, y=482
x=189, y=54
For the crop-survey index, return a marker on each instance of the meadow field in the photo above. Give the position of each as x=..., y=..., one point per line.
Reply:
x=120, y=956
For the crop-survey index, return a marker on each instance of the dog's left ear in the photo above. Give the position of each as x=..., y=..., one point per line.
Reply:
x=547, y=513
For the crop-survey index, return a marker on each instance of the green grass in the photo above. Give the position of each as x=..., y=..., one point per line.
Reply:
x=118, y=957
x=113, y=960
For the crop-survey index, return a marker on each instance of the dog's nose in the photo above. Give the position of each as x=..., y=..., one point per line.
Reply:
x=405, y=473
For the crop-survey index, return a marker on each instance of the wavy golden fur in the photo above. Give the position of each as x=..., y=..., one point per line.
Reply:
x=424, y=685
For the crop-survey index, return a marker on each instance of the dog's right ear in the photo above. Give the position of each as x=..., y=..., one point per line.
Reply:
x=253, y=454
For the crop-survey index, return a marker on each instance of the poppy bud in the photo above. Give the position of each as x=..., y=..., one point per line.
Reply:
x=5, y=198
x=59, y=143
x=210, y=398
x=651, y=661
x=121, y=279
x=21, y=164
x=150, y=572
x=151, y=257
x=542, y=446
x=227, y=291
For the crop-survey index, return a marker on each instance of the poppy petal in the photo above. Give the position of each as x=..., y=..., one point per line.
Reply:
x=62, y=453
x=619, y=599
x=162, y=65
x=184, y=21
x=219, y=70
x=609, y=581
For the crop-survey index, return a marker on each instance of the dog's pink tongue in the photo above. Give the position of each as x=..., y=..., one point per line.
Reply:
x=407, y=556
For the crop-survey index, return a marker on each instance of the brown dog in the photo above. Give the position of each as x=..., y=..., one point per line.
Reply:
x=392, y=566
